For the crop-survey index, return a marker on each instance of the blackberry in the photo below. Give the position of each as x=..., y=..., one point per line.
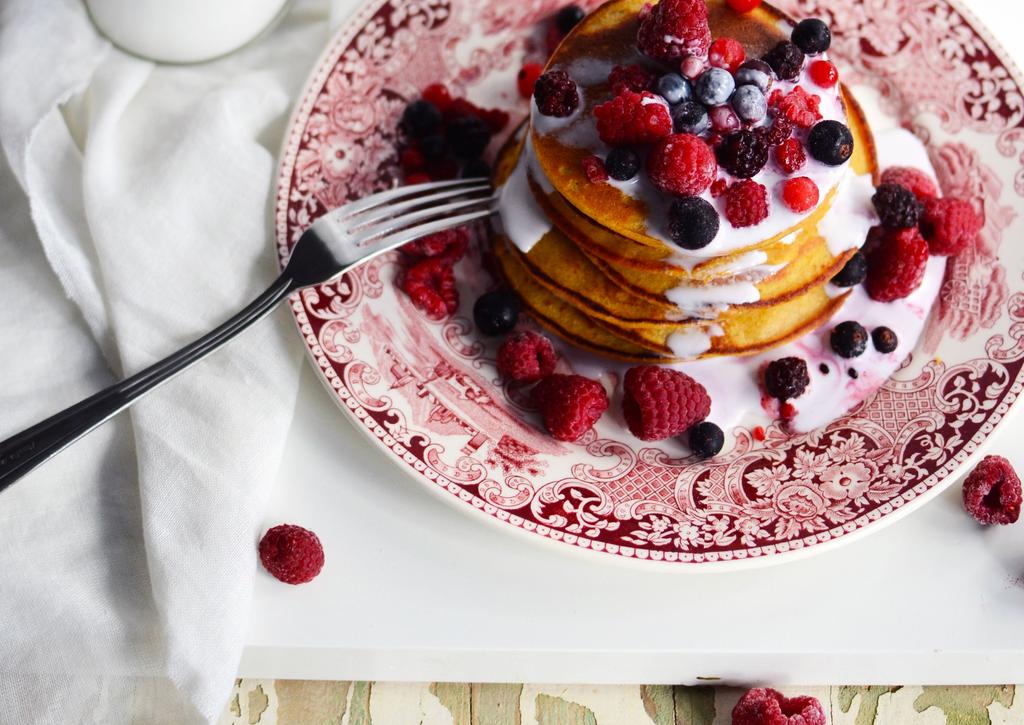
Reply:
x=853, y=272
x=622, y=164
x=786, y=59
x=812, y=36
x=786, y=378
x=750, y=104
x=849, y=339
x=706, y=440
x=476, y=168
x=433, y=147
x=755, y=73
x=468, y=136
x=714, y=87
x=779, y=132
x=743, y=154
x=692, y=222
x=897, y=206
x=884, y=339
x=496, y=312
x=568, y=18
x=556, y=94
x=421, y=118
x=831, y=143
x=690, y=117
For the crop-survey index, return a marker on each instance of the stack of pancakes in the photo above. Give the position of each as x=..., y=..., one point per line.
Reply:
x=603, y=279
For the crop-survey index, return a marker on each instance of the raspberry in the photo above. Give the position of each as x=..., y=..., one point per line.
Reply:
x=786, y=378
x=992, y=493
x=786, y=59
x=917, y=181
x=950, y=225
x=682, y=164
x=631, y=77
x=743, y=154
x=790, y=155
x=800, y=107
x=800, y=194
x=743, y=6
x=719, y=187
x=417, y=177
x=412, y=160
x=727, y=53
x=896, y=265
x=291, y=554
x=769, y=707
x=633, y=118
x=897, y=206
x=556, y=94
x=746, y=203
x=780, y=130
x=437, y=93
x=526, y=358
x=569, y=404
x=674, y=29
x=659, y=402
x=824, y=73
x=430, y=284
x=527, y=78
x=451, y=244
x=594, y=168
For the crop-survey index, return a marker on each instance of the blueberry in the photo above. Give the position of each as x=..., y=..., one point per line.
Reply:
x=692, y=222
x=476, y=168
x=421, y=118
x=674, y=88
x=434, y=147
x=690, y=117
x=831, y=143
x=884, y=339
x=496, y=312
x=853, y=272
x=849, y=339
x=750, y=104
x=755, y=73
x=568, y=18
x=622, y=164
x=706, y=440
x=812, y=36
x=468, y=136
x=714, y=86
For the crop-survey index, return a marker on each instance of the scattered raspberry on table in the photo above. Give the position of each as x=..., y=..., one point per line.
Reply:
x=765, y=706
x=992, y=492
x=291, y=554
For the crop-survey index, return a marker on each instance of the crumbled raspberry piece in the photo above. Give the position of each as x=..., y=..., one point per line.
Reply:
x=992, y=492
x=594, y=169
x=719, y=187
x=727, y=53
x=569, y=404
x=763, y=706
x=746, y=203
x=450, y=244
x=291, y=554
x=437, y=93
x=633, y=118
x=914, y=179
x=950, y=225
x=800, y=194
x=674, y=29
x=526, y=357
x=824, y=73
x=896, y=265
x=659, y=402
x=788, y=411
x=527, y=77
x=631, y=77
x=790, y=155
x=758, y=433
x=800, y=107
x=430, y=284
x=780, y=130
x=682, y=164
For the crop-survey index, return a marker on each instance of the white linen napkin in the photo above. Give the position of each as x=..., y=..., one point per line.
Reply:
x=137, y=216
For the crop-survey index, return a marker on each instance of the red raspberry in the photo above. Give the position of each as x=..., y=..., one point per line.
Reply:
x=430, y=284
x=992, y=493
x=526, y=357
x=682, y=164
x=417, y=177
x=727, y=53
x=800, y=107
x=914, y=179
x=569, y=404
x=291, y=554
x=743, y=6
x=800, y=194
x=437, y=93
x=593, y=167
x=950, y=225
x=451, y=244
x=552, y=37
x=674, y=29
x=896, y=264
x=824, y=73
x=631, y=77
x=746, y=203
x=527, y=77
x=412, y=160
x=763, y=706
x=633, y=118
x=790, y=155
x=719, y=187
x=781, y=129
x=660, y=402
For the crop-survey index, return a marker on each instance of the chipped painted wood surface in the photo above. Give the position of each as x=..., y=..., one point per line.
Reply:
x=299, y=702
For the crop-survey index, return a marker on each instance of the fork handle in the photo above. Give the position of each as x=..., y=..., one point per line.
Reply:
x=22, y=452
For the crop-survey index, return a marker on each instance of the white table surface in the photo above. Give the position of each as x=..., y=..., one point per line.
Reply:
x=416, y=589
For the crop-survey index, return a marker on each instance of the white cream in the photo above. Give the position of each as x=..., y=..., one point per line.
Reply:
x=846, y=224
x=709, y=301
x=521, y=218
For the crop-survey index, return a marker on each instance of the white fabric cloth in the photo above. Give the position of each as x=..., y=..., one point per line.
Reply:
x=136, y=216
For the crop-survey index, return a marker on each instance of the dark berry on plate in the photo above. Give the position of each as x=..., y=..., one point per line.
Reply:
x=852, y=372
x=622, y=163
x=831, y=143
x=476, y=168
x=750, y=104
x=992, y=492
x=884, y=339
x=674, y=88
x=853, y=272
x=556, y=94
x=755, y=73
x=812, y=36
x=692, y=222
x=849, y=339
x=714, y=86
x=496, y=312
x=690, y=117
x=743, y=154
x=706, y=440
x=433, y=147
x=786, y=378
x=786, y=59
x=569, y=17
x=468, y=136
x=897, y=206
x=421, y=118
x=824, y=369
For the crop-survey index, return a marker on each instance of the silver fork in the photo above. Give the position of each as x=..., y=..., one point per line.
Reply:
x=331, y=246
